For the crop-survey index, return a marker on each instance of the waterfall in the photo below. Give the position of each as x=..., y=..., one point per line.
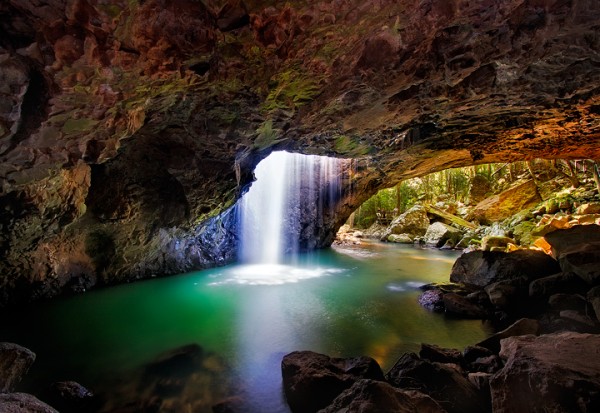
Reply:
x=285, y=209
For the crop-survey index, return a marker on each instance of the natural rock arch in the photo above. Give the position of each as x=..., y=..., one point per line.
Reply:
x=150, y=117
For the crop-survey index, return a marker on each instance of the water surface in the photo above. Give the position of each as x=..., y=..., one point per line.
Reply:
x=344, y=301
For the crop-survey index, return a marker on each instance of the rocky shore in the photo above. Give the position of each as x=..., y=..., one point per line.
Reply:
x=544, y=359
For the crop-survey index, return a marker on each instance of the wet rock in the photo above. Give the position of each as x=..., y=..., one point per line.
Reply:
x=413, y=222
x=564, y=282
x=14, y=364
x=432, y=352
x=461, y=306
x=72, y=397
x=443, y=382
x=400, y=238
x=438, y=233
x=432, y=300
x=311, y=381
x=480, y=268
x=551, y=373
x=368, y=396
x=23, y=403
x=521, y=327
x=503, y=294
x=572, y=239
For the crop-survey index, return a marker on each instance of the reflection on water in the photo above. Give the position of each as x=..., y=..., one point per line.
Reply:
x=342, y=302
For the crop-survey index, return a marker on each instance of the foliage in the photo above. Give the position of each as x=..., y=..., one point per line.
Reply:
x=266, y=135
x=290, y=90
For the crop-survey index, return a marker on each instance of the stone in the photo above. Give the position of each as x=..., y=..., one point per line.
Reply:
x=563, y=282
x=443, y=382
x=521, y=327
x=311, y=381
x=578, y=317
x=232, y=15
x=23, y=403
x=400, y=238
x=560, y=302
x=433, y=352
x=522, y=195
x=503, y=294
x=584, y=262
x=461, y=306
x=15, y=361
x=438, y=233
x=572, y=239
x=492, y=241
x=480, y=268
x=413, y=223
x=432, y=300
x=369, y=396
x=557, y=372
x=588, y=208
x=593, y=296
x=72, y=397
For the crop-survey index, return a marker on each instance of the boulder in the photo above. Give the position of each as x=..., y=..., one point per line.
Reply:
x=369, y=396
x=311, y=381
x=14, y=364
x=550, y=373
x=593, y=296
x=522, y=195
x=523, y=326
x=561, y=302
x=438, y=233
x=584, y=261
x=495, y=241
x=23, y=403
x=400, y=238
x=503, y=294
x=413, y=222
x=480, y=186
x=569, y=240
x=588, y=208
x=71, y=397
x=432, y=300
x=563, y=282
x=480, y=268
x=443, y=382
x=458, y=305
x=432, y=352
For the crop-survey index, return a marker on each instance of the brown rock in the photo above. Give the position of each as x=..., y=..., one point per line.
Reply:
x=443, y=382
x=522, y=195
x=369, y=396
x=14, y=364
x=564, y=282
x=560, y=302
x=432, y=352
x=572, y=239
x=311, y=381
x=588, y=208
x=550, y=373
x=584, y=261
x=481, y=268
x=461, y=306
x=521, y=327
x=593, y=296
x=413, y=222
x=23, y=403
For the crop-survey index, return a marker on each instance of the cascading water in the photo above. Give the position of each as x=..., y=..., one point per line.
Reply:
x=286, y=210
x=287, y=204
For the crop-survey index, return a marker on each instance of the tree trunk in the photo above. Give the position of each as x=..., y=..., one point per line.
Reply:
x=596, y=174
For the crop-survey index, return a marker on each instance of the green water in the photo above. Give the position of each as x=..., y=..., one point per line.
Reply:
x=360, y=300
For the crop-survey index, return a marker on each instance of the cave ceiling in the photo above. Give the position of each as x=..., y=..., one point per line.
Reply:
x=123, y=121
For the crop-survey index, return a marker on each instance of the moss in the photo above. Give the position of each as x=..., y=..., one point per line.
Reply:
x=351, y=146
x=74, y=126
x=267, y=135
x=290, y=90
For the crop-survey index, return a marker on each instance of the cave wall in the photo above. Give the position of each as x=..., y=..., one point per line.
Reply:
x=129, y=128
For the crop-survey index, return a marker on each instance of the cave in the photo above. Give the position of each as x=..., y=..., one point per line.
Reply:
x=132, y=131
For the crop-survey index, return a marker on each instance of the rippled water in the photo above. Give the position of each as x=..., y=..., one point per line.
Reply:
x=342, y=302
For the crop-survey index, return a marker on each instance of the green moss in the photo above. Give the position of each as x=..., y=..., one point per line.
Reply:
x=290, y=90
x=267, y=135
x=351, y=146
x=74, y=126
